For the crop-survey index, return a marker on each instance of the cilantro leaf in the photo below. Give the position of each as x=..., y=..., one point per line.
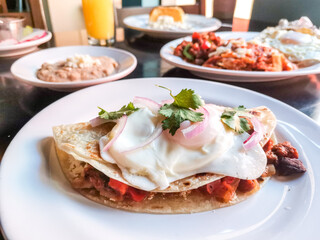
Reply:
x=171, y=123
x=188, y=99
x=180, y=110
x=125, y=110
x=244, y=124
x=176, y=115
x=235, y=118
x=186, y=53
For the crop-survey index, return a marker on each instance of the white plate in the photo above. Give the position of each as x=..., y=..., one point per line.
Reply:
x=25, y=68
x=23, y=48
x=166, y=53
x=37, y=202
x=198, y=23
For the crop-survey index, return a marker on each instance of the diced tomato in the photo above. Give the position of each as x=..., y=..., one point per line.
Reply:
x=196, y=46
x=210, y=187
x=206, y=45
x=230, y=180
x=120, y=187
x=268, y=146
x=247, y=185
x=226, y=190
x=136, y=194
x=196, y=35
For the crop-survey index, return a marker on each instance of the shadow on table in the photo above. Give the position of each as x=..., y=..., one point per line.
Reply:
x=142, y=42
x=19, y=102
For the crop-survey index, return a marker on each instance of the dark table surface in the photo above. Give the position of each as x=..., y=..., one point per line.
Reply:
x=19, y=102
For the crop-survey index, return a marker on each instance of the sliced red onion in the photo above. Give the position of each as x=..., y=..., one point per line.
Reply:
x=121, y=124
x=169, y=101
x=156, y=133
x=256, y=136
x=98, y=121
x=197, y=128
x=146, y=102
x=185, y=124
x=36, y=37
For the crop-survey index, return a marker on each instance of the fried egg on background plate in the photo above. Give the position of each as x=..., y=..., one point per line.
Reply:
x=218, y=149
x=299, y=40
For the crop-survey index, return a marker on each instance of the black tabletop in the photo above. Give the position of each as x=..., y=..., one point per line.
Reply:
x=19, y=102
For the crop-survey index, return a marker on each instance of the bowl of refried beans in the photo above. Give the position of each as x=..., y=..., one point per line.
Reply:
x=77, y=68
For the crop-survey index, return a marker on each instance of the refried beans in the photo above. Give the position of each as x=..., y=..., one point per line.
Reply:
x=77, y=68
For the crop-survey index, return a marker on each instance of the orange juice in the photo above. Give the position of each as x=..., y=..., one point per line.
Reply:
x=99, y=18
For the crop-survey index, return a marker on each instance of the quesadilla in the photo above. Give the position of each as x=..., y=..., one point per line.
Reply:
x=179, y=156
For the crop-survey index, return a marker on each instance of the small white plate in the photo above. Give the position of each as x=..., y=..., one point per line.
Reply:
x=198, y=23
x=25, y=68
x=37, y=202
x=25, y=47
x=166, y=53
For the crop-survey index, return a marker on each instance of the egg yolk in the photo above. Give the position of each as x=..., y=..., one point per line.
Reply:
x=295, y=38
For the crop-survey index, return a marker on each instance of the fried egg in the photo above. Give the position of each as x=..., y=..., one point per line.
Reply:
x=218, y=149
x=298, y=40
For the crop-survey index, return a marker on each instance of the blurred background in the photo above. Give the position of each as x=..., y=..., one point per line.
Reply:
x=61, y=15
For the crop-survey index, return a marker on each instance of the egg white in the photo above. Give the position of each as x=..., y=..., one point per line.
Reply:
x=164, y=161
x=296, y=46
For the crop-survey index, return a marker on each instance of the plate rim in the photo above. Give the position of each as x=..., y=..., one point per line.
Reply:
x=83, y=83
x=163, y=31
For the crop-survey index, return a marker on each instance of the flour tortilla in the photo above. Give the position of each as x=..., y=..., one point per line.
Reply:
x=268, y=120
x=161, y=203
x=81, y=141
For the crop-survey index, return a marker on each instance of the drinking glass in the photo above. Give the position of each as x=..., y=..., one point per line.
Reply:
x=99, y=20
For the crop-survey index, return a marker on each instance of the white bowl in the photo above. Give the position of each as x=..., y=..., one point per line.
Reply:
x=25, y=68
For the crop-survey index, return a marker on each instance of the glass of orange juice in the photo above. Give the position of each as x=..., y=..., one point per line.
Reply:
x=99, y=20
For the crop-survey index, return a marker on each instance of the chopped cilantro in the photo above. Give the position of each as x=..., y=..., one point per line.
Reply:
x=186, y=52
x=180, y=110
x=235, y=119
x=125, y=110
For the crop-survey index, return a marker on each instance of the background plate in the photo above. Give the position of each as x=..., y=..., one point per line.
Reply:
x=198, y=23
x=25, y=68
x=36, y=201
x=23, y=48
x=166, y=53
